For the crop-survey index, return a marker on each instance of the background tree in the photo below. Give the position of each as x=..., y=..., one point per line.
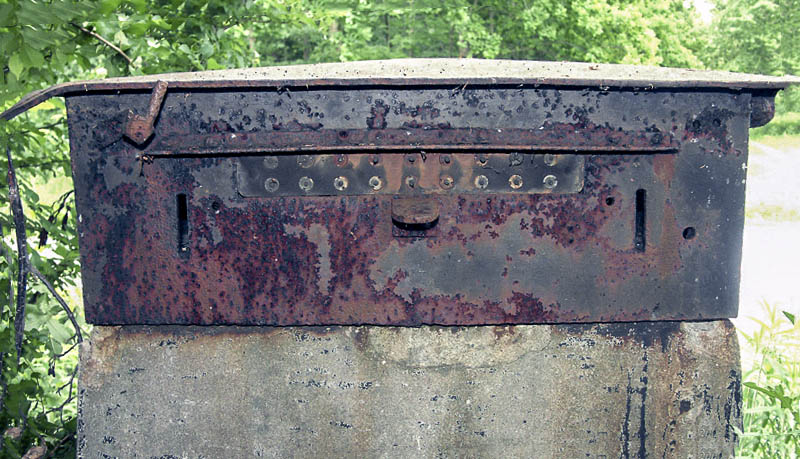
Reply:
x=759, y=36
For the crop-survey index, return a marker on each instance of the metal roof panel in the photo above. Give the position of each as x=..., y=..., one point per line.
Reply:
x=423, y=72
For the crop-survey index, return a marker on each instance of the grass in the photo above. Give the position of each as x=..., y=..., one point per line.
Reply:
x=776, y=141
x=772, y=184
x=781, y=124
x=771, y=213
x=771, y=387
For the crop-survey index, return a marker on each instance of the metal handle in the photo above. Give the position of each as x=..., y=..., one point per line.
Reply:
x=416, y=213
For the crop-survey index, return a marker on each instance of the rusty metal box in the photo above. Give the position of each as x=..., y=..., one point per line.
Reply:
x=412, y=192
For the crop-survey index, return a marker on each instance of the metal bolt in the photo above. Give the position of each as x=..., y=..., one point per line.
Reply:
x=305, y=161
x=340, y=183
x=272, y=184
x=212, y=142
x=481, y=182
x=482, y=159
x=271, y=162
x=341, y=160
x=306, y=183
x=375, y=159
x=446, y=182
x=550, y=159
x=515, y=181
x=411, y=181
x=550, y=181
x=444, y=159
x=515, y=159
x=375, y=183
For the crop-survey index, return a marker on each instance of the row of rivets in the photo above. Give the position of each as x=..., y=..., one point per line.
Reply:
x=515, y=181
x=306, y=161
x=307, y=183
x=445, y=181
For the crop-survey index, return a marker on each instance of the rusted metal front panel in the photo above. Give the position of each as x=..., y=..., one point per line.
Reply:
x=644, y=222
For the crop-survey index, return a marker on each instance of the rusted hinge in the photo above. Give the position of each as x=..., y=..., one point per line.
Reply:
x=140, y=128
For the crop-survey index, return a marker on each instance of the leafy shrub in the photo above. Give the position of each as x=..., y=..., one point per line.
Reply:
x=782, y=124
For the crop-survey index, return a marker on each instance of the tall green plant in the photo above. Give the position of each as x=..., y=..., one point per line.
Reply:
x=771, y=393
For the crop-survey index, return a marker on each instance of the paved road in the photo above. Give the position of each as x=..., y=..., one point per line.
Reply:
x=771, y=259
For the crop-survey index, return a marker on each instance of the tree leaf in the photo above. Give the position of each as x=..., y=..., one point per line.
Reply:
x=15, y=65
x=37, y=38
x=789, y=316
x=7, y=17
x=58, y=331
x=107, y=6
x=36, y=14
x=212, y=64
x=137, y=28
x=30, y=56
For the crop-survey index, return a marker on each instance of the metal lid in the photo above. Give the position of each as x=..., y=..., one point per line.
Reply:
x=402, y=72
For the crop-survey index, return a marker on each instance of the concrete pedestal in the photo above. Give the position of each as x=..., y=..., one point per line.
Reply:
x=661, y=389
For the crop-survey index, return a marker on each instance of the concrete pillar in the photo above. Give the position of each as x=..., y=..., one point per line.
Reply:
x=658, y=389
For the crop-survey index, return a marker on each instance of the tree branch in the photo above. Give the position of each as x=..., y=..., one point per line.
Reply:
x=69, y=436
x=25, y=265
x=43, y=165
x=104, y=41
x=22, y=254
x=3, y=383
x=46, y=127
x=60, y=300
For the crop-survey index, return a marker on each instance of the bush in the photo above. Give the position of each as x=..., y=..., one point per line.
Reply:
x=782, y=124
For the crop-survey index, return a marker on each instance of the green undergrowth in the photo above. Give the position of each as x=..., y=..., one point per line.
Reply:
x=781, y=142
x=781, y=124
x=771, y=387
x=772, y=213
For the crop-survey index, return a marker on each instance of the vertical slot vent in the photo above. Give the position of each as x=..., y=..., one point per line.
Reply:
x=639, y=241
x=183, y=224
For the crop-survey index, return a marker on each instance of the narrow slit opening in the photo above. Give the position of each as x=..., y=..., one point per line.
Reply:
x=183, y=224
x=639, y=241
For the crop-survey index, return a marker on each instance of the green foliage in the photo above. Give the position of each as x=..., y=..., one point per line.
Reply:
x=755, y=36
x=771, y=393
x=47, y=42
x=785, y=123
x=37, y=43
x=772, y=213
x=636, y=32
x=39, y=393
x=759, y=36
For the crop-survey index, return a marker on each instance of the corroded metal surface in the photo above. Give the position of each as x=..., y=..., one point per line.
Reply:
x=405, y=72
x=658, y=389
x=652, y=232
x=413, y=173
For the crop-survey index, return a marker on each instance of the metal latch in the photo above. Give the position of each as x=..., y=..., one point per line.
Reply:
x=415, y=216
x=140, y=128
x=415, y=212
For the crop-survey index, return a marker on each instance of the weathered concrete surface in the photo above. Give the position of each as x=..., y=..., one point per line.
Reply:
x=623, y=390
